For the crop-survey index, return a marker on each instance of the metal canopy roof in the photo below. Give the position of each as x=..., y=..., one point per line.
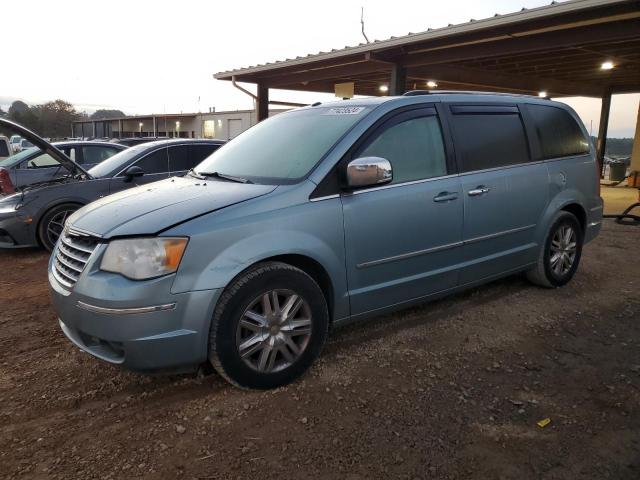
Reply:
x=557, y=48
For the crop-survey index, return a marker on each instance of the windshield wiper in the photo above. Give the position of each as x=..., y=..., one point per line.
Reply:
x=223, y=176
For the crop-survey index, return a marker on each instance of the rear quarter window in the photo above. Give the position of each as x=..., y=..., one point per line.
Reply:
x=489, y=139
x=558, y=132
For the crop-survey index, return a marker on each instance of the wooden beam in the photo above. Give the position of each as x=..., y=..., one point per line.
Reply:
x=518, y=45
x=326, y=73
x=262, y=103
x=398, y=80
x=490, y=79
x=602, y=130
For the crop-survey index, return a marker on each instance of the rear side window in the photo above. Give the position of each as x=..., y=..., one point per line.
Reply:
x=414, y=147
x=558, y=132
x=489, y=139
x=4, y=151
x=156, y=162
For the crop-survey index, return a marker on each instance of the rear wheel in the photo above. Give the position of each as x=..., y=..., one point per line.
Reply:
x=269, y=326
x=52, y=224
x=561, y=252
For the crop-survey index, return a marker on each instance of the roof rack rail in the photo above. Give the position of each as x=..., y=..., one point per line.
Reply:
x=413, y=93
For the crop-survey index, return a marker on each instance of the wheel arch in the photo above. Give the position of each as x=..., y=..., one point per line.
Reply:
x=50, y=207
x=315, y=270
x=579, y=212
x=308, y=265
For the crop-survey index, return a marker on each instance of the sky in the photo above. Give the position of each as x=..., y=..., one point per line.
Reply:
x=159, y=56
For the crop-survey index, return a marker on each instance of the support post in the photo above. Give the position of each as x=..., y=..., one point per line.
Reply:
x=602, y=130
x=398, y=82
x=635, y=151
x=155, y=127
x=262, y=103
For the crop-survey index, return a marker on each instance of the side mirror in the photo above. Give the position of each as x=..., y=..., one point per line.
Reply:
x=132, y=172
x=368, y=172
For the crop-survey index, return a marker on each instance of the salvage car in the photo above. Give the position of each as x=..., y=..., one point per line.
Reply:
x=34, y=215
x=35, y=165
x=320, y=216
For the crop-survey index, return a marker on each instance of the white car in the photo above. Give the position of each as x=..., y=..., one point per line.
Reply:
x=23, y=145
x=5, y=147
x=15, y=143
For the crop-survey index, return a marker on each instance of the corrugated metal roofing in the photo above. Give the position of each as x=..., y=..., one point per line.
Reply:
x=554, y=8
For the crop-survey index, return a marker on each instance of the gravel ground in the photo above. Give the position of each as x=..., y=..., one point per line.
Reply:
x=453, y=389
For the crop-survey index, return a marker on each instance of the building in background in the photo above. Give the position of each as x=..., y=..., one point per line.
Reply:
x=220, y=125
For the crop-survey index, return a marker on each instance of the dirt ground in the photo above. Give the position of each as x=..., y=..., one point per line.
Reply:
x=453, y=389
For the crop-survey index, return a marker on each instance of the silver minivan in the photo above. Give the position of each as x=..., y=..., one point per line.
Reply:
x=323, y=215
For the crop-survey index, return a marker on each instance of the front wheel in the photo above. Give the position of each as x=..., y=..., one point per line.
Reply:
x=561, y=252
x=52, y=224
x=269, y=326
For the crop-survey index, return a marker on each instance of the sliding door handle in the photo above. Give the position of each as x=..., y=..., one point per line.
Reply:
x=479, y=190
x=445, y=197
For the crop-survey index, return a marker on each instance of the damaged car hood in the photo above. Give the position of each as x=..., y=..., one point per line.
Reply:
x=151, y=208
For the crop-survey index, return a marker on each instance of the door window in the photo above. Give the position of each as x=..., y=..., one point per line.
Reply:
x=558, y=133
x=155, y=162
x=43, y=160
x=94, y=154
x=414, y=147
x=197, y=153
x=489, y=139
x=179, y=159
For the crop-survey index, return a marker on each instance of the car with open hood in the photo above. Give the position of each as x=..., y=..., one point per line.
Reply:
x=34, y=165
x=322, y=215
x=34, y=214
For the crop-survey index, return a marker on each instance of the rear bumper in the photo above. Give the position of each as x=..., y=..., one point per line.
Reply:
x=139, y=337
x=594, y=221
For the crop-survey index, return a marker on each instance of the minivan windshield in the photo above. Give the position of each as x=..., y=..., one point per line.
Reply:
x=284, y=148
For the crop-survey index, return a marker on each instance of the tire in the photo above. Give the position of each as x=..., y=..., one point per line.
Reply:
x=552, y=271
x=253, y=342
x=53, y=221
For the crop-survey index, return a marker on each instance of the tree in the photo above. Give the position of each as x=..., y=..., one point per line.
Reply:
x=54, y=118
x=104, y=114
x=22, y=114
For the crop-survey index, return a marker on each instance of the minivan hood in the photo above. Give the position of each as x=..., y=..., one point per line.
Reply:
x=149, y=209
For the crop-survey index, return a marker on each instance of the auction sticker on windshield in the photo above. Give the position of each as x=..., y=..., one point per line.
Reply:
x=344, y=111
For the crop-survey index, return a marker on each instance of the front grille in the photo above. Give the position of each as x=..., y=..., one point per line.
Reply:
x=72, y=254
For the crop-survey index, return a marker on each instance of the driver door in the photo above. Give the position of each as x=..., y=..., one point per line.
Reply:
x=403, y=239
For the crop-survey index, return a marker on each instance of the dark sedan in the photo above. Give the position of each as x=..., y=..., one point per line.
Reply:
x=35, y=214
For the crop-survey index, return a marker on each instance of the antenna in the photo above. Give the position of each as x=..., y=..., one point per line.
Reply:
x=362, y=23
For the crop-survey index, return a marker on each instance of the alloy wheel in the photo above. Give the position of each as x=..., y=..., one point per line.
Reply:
x=563, y=250
x=274, y=331
x=56, y=225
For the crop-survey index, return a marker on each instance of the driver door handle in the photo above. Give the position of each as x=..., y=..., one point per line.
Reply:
x=445, y=197
x=479, y=190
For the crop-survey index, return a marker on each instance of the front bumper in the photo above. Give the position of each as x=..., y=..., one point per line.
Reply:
x=115, y=330
x=16, y=229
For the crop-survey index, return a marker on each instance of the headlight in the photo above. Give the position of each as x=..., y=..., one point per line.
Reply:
x=142, y=258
